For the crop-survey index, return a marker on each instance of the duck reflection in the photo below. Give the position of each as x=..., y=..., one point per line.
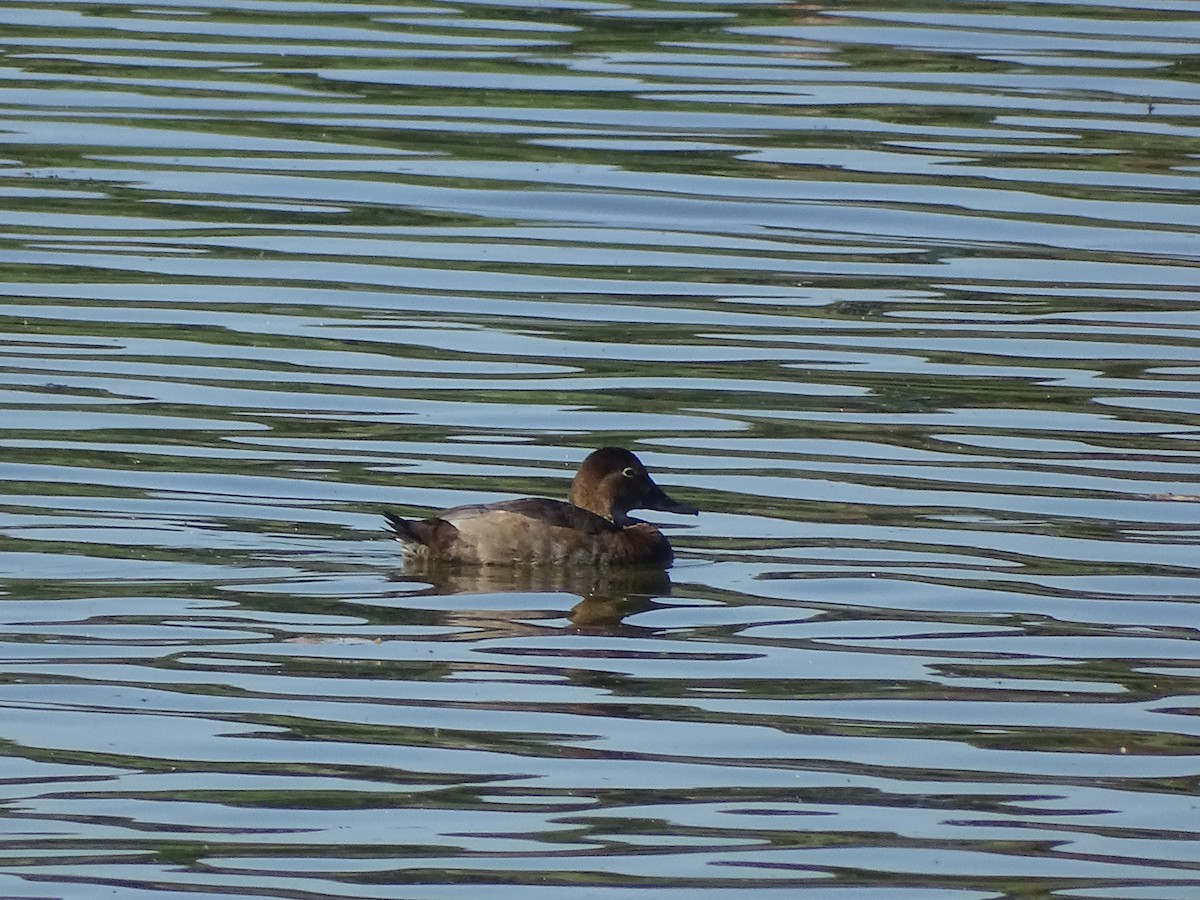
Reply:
x=606, y=595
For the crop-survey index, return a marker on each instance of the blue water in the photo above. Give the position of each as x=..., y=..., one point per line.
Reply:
x=904, y=298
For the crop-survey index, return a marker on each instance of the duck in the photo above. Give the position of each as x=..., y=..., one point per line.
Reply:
x=592, y=528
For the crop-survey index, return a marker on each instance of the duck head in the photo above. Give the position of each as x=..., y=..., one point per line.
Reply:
x=612, y=481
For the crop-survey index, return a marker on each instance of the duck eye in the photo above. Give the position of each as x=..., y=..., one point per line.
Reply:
x=629, y=472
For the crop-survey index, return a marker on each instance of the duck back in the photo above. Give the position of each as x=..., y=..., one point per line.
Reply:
x=531, y=531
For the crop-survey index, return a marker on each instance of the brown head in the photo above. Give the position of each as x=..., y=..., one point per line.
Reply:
x=612, y=481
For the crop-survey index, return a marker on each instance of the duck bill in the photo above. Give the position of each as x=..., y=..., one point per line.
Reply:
x=657, y=499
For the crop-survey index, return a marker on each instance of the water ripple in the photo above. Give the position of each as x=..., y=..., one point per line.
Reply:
x=902, y=299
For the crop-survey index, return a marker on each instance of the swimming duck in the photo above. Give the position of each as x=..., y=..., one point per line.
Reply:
x=592, y=528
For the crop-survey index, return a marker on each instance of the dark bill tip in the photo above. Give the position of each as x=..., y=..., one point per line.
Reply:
x=657, y=499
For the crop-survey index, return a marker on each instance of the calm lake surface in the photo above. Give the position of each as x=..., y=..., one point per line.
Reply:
x=904, y=296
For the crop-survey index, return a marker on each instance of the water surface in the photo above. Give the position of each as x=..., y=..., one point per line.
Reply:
x=903, y=296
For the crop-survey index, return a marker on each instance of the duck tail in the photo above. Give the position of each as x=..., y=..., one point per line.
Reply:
x=402, y=529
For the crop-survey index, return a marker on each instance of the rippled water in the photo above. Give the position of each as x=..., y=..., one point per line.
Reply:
x=904, y=296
